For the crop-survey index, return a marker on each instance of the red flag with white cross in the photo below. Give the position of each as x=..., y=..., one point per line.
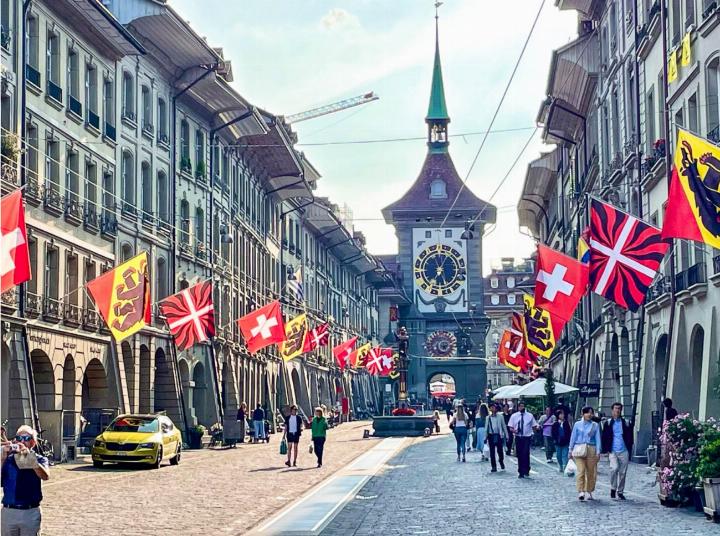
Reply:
x=342, y=352
x=379, y=361
x=317, y=337
x=263, y=327
x=14, y=251
x=560, y=282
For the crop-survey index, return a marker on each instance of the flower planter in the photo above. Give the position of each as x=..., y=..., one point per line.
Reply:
x=712, y=498
x=195, y=440
x=698, y=498
x=668, y=501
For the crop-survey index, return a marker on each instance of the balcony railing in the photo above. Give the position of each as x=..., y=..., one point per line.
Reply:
x=595, y=323
x=714, y=135
x=147, y=128
x=5, y=38
x=128, y=209
x=9, y=173
x=716, y=264
x=33, y=304
x=72, y=208
x=659, y=288
x=53, y=199
x=75, y=106
x=108, y=225
x=51, y=309
x=72, y=314
x=128, y=115
x=54, y=91
x=709, y=10
x=93, y=120
x=694, y=275
x=110, y=132
x=163, y=138
x=32, y=75
x=90, y=319
x=9, y=298
x=90, y=218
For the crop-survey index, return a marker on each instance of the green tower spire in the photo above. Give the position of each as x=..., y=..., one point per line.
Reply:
x=437, y=109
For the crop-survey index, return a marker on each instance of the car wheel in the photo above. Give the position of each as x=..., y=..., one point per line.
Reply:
x=158, y=461
x=176, y=459
x=97, y=464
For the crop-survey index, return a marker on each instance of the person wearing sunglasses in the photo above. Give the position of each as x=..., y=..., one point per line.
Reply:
x=22, y=473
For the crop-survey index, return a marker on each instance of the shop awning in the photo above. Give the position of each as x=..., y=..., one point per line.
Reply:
x=537, y=190
x=570, y=89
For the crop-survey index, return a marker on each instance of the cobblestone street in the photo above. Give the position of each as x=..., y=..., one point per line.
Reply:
x=210, y=492
x=423, y=490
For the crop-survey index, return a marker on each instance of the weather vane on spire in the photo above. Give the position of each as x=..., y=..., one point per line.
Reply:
x=437, y=5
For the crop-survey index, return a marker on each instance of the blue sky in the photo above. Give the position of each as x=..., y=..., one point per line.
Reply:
x=292, y=55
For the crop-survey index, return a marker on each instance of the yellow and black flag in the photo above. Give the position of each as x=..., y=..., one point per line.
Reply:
x=122, y=296
x=693, y=209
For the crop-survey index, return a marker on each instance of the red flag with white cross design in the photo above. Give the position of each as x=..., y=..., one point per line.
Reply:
x=190, y=315
x=342, y=352
x=14, y=252
x=560, y=282
x=263, y=327
x=317, y=337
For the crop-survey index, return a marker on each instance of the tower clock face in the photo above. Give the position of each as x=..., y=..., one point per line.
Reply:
x=438, y=270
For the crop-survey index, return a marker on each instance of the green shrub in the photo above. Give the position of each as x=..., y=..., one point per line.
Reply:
x=709, y=466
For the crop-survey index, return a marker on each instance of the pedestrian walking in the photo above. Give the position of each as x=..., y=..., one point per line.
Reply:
x=293, y=431
x=242, y=420
x=509, y=441
x=319, y=428
x=584, y=444
x=458, y=424
x=561, y=405
x=22, y=474
x=471, y=437
x=617, y=443
x=481, y=429
x=436, y=421
x=523, y=425
x=546, y=423
x=561, y=433
x=497, y=434
x=670, y=411
x=449, y=410
x=258, y=417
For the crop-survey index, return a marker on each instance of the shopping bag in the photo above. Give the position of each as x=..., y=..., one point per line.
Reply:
x=486, y=450
x=283, y=447
x=570, y=468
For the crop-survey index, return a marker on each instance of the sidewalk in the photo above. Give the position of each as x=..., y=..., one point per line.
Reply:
x=225, y=491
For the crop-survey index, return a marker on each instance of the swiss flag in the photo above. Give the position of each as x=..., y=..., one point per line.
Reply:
x=263, y=327
x=14, y=251
x=387, y=361
x=560, y=282
x=342, y=352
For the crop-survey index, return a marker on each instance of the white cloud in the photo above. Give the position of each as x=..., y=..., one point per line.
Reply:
x=339, y=19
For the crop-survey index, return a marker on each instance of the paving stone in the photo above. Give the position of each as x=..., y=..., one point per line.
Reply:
x=209, y=492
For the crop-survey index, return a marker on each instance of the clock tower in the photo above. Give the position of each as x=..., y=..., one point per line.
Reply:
x=439, y=224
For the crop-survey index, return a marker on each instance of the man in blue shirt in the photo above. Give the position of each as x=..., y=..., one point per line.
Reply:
x=22, y=473
x=617, y=442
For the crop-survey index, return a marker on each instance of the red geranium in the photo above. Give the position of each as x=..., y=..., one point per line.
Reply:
x=403, y=412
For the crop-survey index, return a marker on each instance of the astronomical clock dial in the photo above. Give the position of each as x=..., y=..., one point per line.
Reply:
x=438, y=269
x=441, y=344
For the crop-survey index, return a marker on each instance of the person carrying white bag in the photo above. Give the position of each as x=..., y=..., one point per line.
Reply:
x=584, y=451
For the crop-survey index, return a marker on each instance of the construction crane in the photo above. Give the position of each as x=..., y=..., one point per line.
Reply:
x=332, y=108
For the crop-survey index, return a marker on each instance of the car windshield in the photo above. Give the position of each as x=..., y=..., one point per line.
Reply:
x=134, y=424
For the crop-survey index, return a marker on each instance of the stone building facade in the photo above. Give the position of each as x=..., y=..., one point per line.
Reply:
x=606, y=111
x=134, y=140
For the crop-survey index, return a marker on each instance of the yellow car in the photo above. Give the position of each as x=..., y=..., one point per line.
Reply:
x=139, y=439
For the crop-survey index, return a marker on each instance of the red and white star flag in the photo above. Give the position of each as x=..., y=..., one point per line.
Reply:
x=625, y=254
x=14, y=251
x=377, y=360
x=342, y=352
x=560, y=282
x=387, y=361
x=317, y=337
x=263, y=327
x=190, y=315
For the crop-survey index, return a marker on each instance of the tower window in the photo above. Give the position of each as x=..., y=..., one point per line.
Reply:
x=438, y=189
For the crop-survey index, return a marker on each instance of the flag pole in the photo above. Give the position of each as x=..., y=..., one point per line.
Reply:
x=668, y=174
